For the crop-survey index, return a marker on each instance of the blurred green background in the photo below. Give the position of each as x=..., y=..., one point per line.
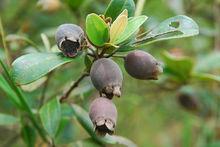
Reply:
x=161, y=113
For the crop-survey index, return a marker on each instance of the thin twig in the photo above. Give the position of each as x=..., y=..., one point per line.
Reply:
x=45, y=89
x=92, y=49
x=7, y=52
x=109, y=55
x=119, y=56
x=94, y=53
x=103, y=52
x=139, y=8
x=72, y=87
x=32, y=43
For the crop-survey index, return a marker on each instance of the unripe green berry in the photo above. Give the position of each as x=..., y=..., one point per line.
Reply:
x=69, y=39
x=103, y=114
x=141, y=65
x=107, y=77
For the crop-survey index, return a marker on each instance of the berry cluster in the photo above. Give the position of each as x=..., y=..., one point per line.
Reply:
x=105, y=74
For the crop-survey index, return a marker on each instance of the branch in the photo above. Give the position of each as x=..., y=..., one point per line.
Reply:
x=72, y=87
x=109, y=55
x=7, y=51
x=119, y=56
x=139, y=8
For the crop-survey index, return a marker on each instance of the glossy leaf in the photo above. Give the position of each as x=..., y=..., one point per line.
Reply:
x=30, y=67
x=208, y=63
x=34, y=85
x=125, y=48
x=50, y=115
x=89, y=142
x=6, y=119
x=66, y=132
x=180, y=67
x=114, y=139
x=83, y=117
x=206, y=77
x=115, y=7
x=97, y=30
x=175, y=27
x=118, y=26
x=132, y=26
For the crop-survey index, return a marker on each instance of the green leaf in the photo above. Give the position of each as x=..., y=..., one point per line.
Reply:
x=34, y=85
x=208, y=63
x=114, y=139
x=132, y=26
x=29, y=135
x=97, y=30
x=46, y=41
x=66, y=132
x=83, y=118
x=6, y=119
x=50, y=115
x=125, y=48
x=30, y=67
x=89, y=142
x=88, y=62
x=181, y=68
x=4, y=85
x=215, y=143
x=2, y=54
x=23, y=102
x=73, y=4
x=115, y=7
x=175, y=27
x=206, y=77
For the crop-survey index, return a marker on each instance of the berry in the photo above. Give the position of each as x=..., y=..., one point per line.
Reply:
x=141, y=65
x=187, y=101
x=103, y=114
x=107, y=77
x=69, y=39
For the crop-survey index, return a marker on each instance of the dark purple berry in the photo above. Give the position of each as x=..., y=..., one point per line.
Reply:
x=141, y=65
x=103, y=114
x=69, y=39
x=107, y=77
x=188, y=102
